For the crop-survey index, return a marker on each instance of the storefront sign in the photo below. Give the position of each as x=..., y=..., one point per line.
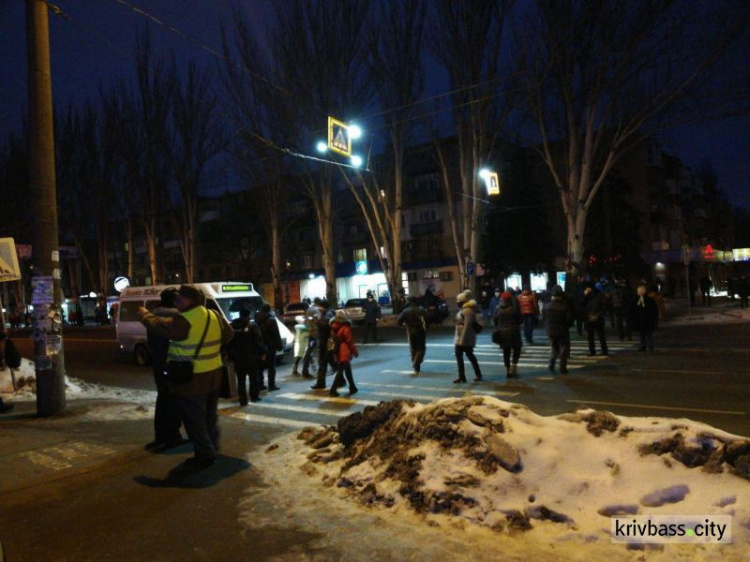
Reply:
x=741, y=254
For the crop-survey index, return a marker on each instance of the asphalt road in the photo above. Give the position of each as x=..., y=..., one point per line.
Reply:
x=697, y=372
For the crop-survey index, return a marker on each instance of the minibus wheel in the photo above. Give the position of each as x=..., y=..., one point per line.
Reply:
x=141, y=355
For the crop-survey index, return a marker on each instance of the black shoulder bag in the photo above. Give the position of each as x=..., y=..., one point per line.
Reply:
x=181, y=372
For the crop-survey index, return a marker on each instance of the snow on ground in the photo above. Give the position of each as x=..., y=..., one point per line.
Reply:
x=476, y=478
x=110, y=403
x=715, y=315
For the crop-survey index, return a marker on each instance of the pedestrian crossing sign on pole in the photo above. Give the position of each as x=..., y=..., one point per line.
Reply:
x=9, y=270
x=339, y=139
x=493, y=184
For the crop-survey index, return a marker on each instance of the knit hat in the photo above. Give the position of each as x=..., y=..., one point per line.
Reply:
x=462, y=297
x=506, y=296
x=599, y=286
x=340, y=316
x=192, y=293
x=557, y=291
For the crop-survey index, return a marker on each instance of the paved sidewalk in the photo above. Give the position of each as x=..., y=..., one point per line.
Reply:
x=77, y=487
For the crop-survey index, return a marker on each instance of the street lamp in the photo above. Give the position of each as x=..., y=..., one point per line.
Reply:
x=322, y=146
x=356, y=160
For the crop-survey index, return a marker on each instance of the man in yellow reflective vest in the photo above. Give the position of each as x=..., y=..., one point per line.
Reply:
x=199, y=397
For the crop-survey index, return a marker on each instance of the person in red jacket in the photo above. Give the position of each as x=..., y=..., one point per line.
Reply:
x=342, y=347
x=529, y=309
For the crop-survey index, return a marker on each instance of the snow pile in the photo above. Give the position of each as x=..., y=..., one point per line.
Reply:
x=132, y=404
x=554, y=480
x=701, y=316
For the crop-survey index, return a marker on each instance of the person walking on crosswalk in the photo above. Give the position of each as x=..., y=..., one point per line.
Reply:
x=466, y=336
x=507, y=333
x=416, y=330
x=341, y=345
x=559, y=317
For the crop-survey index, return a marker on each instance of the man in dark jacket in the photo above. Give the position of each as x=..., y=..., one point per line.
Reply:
x=622, y=300
x=416, y=330
x=594, y=318
x=559, y=317
x=323, y=324
x=507, y=333
x=645, y=318
x=167, y=420
x=266, y=321
x=372, y=315
x=246, y=351
x=199, y=396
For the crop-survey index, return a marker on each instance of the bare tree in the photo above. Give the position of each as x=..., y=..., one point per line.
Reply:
x=197, y=139
x=468, y=42
x=144, y=146
x=395, y=63
x=601, y=76
x=317, y=70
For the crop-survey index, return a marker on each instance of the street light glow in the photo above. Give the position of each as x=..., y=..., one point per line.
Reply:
x=356, y=161
x=484, y=173
x=355, y=132
x=322, y=146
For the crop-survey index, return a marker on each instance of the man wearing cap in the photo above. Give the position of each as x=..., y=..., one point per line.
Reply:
x=199, y=397
x=167, y=420
x=416, y=330
x=559, y=317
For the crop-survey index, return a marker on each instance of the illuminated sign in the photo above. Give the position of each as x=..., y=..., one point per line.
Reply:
x=9, y=270
x=339, y=139
x=236, y=288
x=361, y=268
x=493, y=184
x=121, y=283
x=741, y=254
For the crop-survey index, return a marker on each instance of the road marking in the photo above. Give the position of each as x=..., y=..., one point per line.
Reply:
x=271, y=421
x=649, y=407
x=572, y=364
x=290, y=408
x=326, y=398
x=685, y=371
x=407, y=386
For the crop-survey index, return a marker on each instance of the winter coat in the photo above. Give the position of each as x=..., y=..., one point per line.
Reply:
x=465, y=334
x=266, y=321
x=158, y=345
x=301, y=339
x=347, y=348
x=659, y=300
x=372, y=310
x=594, y=307
x=645, y=317
x=312, y=316
x=559, y=317
x=247, y=345
x=507, y=320
x=323, y=325
x=413, y=318
x=527, y=303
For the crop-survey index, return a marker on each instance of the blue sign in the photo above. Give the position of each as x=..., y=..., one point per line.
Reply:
x=361, y=268
x=470, y=268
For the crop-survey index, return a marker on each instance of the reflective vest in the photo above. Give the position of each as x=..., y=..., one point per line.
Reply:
x=209, y=357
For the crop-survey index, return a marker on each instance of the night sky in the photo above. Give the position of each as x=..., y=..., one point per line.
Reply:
x=95, y=46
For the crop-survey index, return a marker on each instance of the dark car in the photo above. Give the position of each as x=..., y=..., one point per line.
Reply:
x=436, y=309
x=292, y=311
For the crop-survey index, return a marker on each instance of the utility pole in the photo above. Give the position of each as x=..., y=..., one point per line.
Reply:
x=47, y=335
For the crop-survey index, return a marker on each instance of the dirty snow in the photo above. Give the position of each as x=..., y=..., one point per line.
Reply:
x=428, y=499
x=714, y=315
x=110, y=403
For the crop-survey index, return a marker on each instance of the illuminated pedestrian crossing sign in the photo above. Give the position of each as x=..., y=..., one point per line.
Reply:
x=339, y=137
x=9, y=270
x=493, y=184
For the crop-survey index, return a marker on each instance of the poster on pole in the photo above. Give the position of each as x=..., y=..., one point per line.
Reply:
x=9, y=270
x=43, y=290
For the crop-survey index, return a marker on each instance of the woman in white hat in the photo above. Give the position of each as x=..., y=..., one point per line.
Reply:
x=342, y=347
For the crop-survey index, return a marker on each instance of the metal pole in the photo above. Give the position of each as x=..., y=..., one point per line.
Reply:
x=48, y=355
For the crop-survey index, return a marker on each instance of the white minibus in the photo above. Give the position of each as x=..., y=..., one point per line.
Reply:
x=225, y=297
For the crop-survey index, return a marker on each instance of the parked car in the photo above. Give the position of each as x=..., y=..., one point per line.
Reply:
x=292, y=311
x=354, y=310
x=436, y=309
